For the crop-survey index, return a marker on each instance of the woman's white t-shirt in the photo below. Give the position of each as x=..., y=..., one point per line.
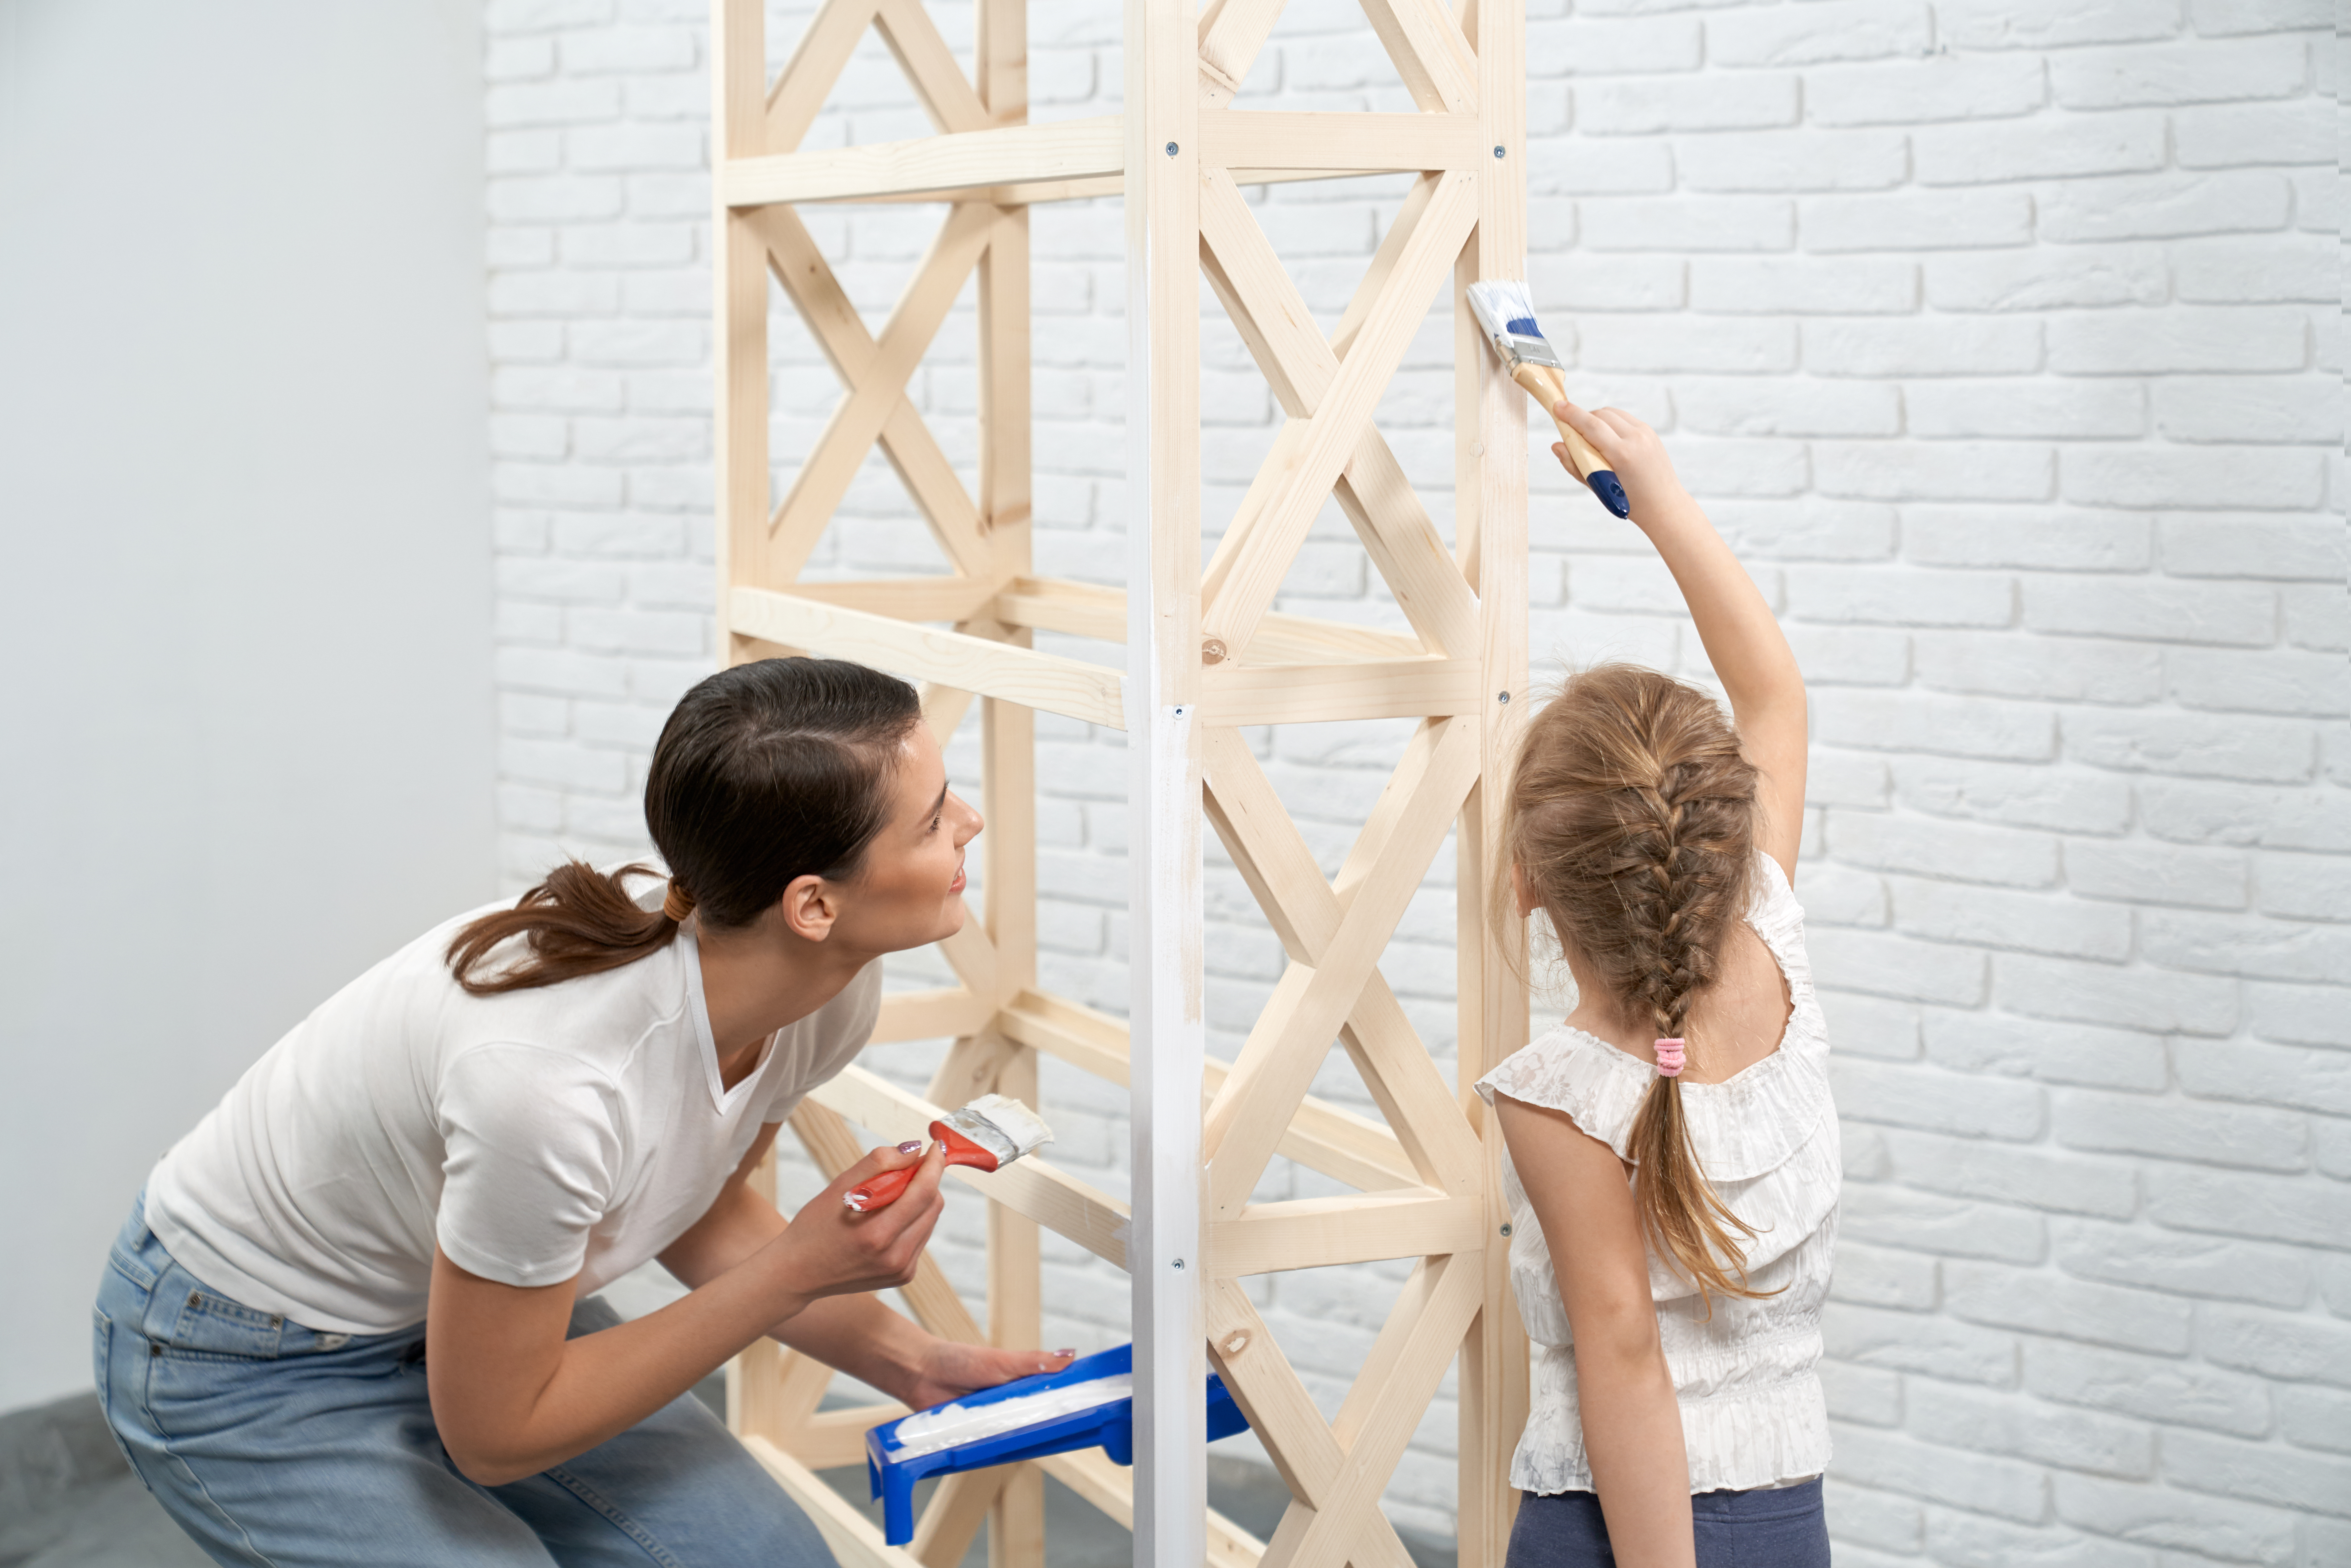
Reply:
x=572, y=1129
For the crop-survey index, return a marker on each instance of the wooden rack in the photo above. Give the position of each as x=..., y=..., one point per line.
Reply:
x=1205, y=654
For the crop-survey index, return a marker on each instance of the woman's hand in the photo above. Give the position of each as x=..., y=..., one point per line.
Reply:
x=831, y=1249
x=949, y=1369
x=1634, y=454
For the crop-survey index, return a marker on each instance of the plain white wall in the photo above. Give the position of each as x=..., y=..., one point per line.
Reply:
x=246, y=734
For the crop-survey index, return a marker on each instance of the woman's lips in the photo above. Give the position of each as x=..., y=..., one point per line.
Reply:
x=956, y=885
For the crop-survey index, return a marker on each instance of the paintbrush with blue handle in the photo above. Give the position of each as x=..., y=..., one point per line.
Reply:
x=1506, y=314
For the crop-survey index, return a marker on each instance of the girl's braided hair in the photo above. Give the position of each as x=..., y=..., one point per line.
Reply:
x=1632, y=818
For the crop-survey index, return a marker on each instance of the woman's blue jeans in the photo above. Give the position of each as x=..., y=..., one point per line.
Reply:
x=273, y=1445
x=1776, y=1528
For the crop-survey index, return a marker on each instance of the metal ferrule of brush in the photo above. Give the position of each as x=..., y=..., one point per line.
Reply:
x=1517, y=350
x=983, y=1132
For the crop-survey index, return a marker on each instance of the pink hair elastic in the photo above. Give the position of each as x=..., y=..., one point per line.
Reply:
x=1669, y=1057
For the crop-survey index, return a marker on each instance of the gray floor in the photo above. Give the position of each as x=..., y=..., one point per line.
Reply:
x=66, y=1500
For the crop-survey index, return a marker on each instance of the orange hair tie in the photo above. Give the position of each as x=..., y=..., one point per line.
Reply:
x=677, y=904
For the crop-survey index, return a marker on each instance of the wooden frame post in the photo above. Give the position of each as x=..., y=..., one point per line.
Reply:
x=1490, y=532
x=740, y=274
x=1163, y=728
x=1206, y=652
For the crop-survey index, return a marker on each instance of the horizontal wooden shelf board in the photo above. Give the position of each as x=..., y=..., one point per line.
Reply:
x=1067, y=160
x=905, y=598
x=1088, y=609
x=1322, y=1136
x=931, y=1015
x=834, y=619
x=1070, y=687
x=1043, y=192
x=1005, y=155
x=1237, y=694
x=1242, y=138
x=1315, y=1233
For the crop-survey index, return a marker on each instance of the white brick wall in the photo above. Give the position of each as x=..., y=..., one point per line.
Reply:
x=1991, y=332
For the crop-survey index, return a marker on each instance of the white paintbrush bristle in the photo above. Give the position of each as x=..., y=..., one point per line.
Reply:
x=1498, y=301
x=1016, y=1129
x=1506, y=314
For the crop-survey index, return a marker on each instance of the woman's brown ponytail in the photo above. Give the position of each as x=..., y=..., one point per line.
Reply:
x=578, y=922
x=1632, y=820
x=765, y=772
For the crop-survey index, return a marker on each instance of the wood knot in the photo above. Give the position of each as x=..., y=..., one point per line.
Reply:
x=1213, y=652
x=1234, y=1343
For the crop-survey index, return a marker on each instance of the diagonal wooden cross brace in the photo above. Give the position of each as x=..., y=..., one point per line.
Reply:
x=1337, y=1472
x=876, y=372
x=1306, y=914
x=798, y=93
x=1308, y=456
x=1282, y=1414
x=1429, y=51
x=1300, y=365
x=1421, y=38
x=1270, y=305
x=1294, y=1032
x=972, y=957
x=809, y=282
x=1407, y=1362
x=946, y=94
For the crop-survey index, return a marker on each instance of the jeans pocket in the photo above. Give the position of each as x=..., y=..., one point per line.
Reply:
x=211, y=1325
x=102, y=1357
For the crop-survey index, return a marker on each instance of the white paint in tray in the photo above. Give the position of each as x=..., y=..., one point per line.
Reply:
x=928, y=1431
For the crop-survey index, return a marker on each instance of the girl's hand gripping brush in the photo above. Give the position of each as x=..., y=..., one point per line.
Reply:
x=987, y=1134
x=1506, y=314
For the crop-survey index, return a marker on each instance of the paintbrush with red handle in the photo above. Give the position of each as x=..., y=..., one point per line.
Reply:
x=987, y=1134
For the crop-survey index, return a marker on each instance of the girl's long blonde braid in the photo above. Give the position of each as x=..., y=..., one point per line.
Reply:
x=1632, y=820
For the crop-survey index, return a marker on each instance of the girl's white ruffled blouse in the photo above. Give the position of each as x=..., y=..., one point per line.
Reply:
x=1752, y=1412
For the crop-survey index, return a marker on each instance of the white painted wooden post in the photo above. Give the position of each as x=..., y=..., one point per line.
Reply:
x=1163, y=686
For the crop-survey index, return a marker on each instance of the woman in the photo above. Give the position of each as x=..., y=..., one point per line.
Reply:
x=347, y=1323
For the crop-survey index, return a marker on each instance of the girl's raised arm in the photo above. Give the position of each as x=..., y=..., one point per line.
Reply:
x=1743, y=642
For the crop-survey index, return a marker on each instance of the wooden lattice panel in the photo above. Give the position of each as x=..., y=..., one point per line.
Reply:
x=1206, y=653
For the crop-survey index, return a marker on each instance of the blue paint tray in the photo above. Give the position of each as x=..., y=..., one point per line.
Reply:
x=1109, y=1426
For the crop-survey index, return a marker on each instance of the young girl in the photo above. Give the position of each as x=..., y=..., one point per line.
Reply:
x=1673, y=1150
x=347, y=1322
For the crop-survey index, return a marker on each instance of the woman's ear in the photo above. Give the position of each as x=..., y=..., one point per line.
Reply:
x=1520, y=892
x=811, y=904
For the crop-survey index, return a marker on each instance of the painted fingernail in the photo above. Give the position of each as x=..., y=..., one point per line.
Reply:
x=1071, y=1353
x=911, y=1146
